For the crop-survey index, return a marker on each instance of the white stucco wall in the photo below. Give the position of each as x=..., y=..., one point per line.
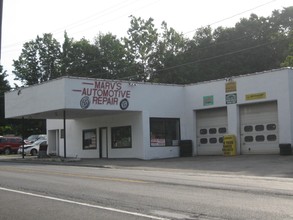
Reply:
x=276, y=84
x=74, y=129
x=34, y=99
x=157, y=99
x=290, y=107
x=145, y=101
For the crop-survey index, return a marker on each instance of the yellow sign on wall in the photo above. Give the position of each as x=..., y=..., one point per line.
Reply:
x=254, y=96
x=230, y=86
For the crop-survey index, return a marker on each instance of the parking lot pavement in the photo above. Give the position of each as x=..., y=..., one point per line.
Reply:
x=255, y=165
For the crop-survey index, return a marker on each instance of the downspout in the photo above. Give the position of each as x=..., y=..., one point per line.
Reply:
x=64, y=128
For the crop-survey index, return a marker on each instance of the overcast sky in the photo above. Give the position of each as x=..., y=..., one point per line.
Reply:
x=23, y=20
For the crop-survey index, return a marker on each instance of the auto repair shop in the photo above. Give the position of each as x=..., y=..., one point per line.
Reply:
x=97, y=118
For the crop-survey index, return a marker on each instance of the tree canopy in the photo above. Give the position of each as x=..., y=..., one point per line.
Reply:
x=162, y=54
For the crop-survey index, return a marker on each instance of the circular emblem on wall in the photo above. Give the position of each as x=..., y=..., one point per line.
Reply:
x=85, y=102
x=124, y=104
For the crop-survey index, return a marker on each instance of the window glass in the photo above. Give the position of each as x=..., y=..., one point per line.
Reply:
x=248, y=128
x=203, y=140
x=221, y=139
x=213, y=140
x=272, y=137
x=121, y=137
x=172, y=130
x=222, y=130
x=12, y=140
x=3, y=140
x=259, y=127
x=212, y=130
x=248, y=138
x=271, y=127
x=89, y=138
x=164, y=131
x=260, y=138
x=203, y=131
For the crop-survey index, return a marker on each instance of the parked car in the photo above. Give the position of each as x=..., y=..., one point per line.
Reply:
x=32, y=149
x=9, y=144
x=31, y=139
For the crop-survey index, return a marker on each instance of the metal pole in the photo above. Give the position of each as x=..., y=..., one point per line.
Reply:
x=64, y=128
x=1, y=16
x=22, y=138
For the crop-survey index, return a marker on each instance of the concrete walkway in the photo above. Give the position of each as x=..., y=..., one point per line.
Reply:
x=252, y=165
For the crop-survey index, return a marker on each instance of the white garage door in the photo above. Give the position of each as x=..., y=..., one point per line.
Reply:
x=211, y=127
x=259, y=128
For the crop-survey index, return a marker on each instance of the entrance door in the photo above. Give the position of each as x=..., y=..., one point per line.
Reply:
x=53, y=140
x=103, y=143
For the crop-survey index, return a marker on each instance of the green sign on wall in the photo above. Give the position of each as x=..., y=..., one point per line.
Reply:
x=208, y=100
x=231, y=98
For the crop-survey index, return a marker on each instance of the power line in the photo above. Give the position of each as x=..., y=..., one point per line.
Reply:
x=93, y=17
x=206, y=59
x=116, y=18
x=108, y=9
x=224, y=19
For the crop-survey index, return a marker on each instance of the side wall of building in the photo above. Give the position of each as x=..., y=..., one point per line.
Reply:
x=273, y=86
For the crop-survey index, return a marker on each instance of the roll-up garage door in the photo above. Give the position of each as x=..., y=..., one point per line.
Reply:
x=211, y=127
x=259, y=128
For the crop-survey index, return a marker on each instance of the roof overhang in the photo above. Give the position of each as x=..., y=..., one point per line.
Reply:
x=71, y=114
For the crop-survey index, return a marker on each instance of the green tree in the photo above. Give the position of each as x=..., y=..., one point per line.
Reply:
x=141, y=44
x=39, y=60
x=80, y=58
x=65, y=55
x=288, y=62
x=114, y=58
x=4, y=87
x=254, y=44
x=171, y=45
x=4, y=83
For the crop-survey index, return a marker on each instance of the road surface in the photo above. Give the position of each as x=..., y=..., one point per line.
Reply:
x=37, y=191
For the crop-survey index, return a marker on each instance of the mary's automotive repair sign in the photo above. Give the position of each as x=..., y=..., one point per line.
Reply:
x=104, y=93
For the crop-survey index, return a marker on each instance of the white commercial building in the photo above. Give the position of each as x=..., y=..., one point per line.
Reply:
x=96, y=118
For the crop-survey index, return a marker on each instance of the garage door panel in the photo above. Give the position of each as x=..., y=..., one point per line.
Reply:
x=259, y=128
x=211, y=127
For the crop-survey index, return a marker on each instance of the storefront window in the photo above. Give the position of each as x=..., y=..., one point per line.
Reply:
x=121, y=137
x=164, y=131
x=89, y=138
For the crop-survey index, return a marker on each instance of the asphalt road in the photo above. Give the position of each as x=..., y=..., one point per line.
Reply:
x=38, y=191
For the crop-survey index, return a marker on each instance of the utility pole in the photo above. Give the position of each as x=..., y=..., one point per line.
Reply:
x=1, y=13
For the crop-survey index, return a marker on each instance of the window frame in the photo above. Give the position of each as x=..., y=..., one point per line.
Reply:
x=165, y=141
x=115, y=129
x=89, y=147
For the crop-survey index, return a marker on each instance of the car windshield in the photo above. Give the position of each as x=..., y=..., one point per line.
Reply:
x=37, y=142
x=32, y=137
